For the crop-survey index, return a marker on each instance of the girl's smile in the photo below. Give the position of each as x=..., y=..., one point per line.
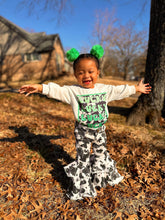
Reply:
x=86, y=73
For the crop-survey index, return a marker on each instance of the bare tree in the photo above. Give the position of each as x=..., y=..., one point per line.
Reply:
x=139, y=64
x=39, y=6
x=105, y=24
x=148, y=107
x=128, y=44
x=122, y=43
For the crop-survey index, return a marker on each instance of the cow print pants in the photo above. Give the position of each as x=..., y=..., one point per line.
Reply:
x=90, y=170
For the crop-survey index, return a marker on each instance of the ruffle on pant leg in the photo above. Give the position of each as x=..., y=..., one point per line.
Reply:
x=82, y=183
x=105, y=172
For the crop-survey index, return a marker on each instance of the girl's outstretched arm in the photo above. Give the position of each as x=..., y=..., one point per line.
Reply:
x=143, y=88
x=29, y=89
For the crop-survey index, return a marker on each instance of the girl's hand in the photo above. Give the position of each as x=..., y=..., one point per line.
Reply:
x=143, y=88
x=29, y=89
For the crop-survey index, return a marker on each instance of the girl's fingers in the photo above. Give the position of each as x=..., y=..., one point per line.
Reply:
x=27, y=94
x=142, y=81
x=27, y=89
x=23, y=89
x=31, y=92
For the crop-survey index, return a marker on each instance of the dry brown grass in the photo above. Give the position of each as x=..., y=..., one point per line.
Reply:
x=37, y=140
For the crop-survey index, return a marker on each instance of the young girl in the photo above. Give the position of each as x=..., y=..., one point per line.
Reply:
x=89, y=101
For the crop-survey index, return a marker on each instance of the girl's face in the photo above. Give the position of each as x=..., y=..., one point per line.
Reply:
x=86, y=73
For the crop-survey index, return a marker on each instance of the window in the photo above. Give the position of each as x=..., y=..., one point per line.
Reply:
x=32, y=57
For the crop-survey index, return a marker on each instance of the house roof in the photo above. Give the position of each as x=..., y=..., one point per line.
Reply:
x=40, y=41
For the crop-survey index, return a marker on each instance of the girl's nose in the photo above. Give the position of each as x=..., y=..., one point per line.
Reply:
x=86, y=74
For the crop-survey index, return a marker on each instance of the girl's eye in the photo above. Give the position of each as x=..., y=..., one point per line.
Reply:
x=90, y=71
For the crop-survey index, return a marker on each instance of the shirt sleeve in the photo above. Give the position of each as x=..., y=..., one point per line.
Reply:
x=55, y=91
x=120, y=92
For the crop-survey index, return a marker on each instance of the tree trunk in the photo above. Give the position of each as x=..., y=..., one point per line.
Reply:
x=102, y=62
x=163, y=110
x=148, y=108
x=126, y=63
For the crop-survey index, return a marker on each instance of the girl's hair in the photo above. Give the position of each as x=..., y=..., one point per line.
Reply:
x=86, y=56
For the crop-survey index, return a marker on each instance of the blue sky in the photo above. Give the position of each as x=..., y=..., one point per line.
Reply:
x=75, y=30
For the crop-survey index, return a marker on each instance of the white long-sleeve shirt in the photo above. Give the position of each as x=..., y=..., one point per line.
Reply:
x=89, y=105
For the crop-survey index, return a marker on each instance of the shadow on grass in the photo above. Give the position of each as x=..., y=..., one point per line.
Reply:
x=52, y=153
x=119, y=110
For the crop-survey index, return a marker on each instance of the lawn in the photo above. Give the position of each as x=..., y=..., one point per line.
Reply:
x=37, y=141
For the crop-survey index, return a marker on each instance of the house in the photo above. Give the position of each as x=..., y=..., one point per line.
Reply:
x=26, y=56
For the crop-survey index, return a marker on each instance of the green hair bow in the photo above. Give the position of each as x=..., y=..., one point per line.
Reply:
x=96, y=51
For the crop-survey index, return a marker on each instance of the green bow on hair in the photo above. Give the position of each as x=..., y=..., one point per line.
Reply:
x=72, y=54
x=96, y=51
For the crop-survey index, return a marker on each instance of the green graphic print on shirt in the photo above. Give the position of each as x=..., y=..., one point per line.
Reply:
x=92, y=110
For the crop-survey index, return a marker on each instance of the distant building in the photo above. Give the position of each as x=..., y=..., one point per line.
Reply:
x=26, y=56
